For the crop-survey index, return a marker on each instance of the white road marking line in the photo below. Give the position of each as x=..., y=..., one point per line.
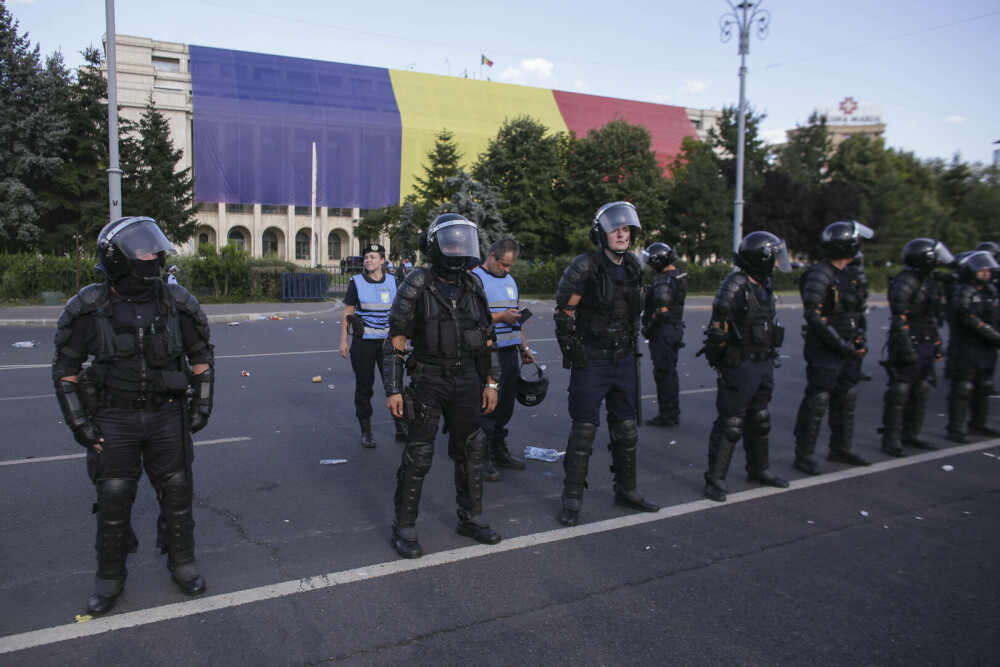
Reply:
x=133, y=619
x=64, y=457
x=24, y=398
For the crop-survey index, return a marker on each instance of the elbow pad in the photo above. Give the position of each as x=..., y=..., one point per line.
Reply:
x=393, y=362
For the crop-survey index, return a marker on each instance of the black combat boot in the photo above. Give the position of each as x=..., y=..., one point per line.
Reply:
x=624, y=437
x=669, y=415
x=807, y=425
x=958, y=412
x=413, y=468
x=114, y=534
x=916, y=407
x=367, y=439
x=176, y=495
x=721, y=442
x=979, y=407
x=757, y=444
x=579, y=447
x=469, y=491
x=501, y=457
x=842, y=430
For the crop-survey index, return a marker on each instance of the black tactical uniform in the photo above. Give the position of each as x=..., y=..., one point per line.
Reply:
x=741, y=343
x=600, y=345
x=834, y=345
x=663, y=327
x=444, y=311
x=856, y=273
x=975, y=337
x=128, y=408
x=916, y=306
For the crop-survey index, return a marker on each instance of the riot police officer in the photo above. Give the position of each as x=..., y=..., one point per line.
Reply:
x=856, y=273
x=502, y=293
x=741, y=344
x=366, y=316
x=834, y=346
x=663, y=327
x=916, y=306
x=994, y=250
x=444, y=311
x=975, y=337
x=130, y=408
x=601, y=288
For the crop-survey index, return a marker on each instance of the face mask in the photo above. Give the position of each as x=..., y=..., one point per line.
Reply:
x=141, y=280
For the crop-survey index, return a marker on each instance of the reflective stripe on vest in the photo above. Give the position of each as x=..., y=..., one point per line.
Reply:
x=374, y=302
x=502, y=294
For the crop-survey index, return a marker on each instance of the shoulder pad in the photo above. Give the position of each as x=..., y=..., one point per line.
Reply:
x=415, y=283
x=85, y=301
x=725, y=297
x=186, y=302
x=578, y=270
x=815, y=282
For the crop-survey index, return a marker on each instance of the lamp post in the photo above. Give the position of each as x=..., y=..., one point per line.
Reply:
x=742, y=16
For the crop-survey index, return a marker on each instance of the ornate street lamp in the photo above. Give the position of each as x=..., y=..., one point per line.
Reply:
x=742, y=16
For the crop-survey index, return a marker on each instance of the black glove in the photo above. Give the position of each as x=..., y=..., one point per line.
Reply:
x=85, y=431
x=87, y=434
x=200, y=407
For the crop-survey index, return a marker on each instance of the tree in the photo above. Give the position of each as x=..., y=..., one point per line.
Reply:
x=524, y=163
x=443, y=162
x=30, y=133
x=805, y=155
x=723, y=137
x=614, y=163
x=698, y=216
x=479, y=203
x=376, y=222
x=403, y=236
x=78, y=191
x=151, y=184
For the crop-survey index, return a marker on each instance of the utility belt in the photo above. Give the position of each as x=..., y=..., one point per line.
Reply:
x=149, y=402
x=454, y=370
x=613, y=354
x=756, y=355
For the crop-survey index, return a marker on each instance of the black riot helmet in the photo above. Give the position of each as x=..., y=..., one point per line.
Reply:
x=614, y=216
x=990, y=247
x=842, y=240
x=128, y=239
x=452, y=243
x=531, y=390
x=659, y=256
x=925, y=254
x=760, y=253
x=974, y=262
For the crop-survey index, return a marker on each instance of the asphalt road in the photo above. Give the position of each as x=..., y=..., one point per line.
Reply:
x=891, y=564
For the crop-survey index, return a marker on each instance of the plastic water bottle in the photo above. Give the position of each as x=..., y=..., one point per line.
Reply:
x=540, y=454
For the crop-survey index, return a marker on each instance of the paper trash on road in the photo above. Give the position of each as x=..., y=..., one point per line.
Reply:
x=245, y=374
x=234, y=324
x=317, y=378
x=24, y=343
x=863, y=513
x=947, y=468
x=331, y=462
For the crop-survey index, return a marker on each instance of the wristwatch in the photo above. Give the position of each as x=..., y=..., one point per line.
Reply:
x=495, y=386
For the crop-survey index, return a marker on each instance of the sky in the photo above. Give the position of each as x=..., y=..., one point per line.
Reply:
x=930, y=67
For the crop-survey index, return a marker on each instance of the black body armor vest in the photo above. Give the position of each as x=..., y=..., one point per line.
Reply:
x=609, y=310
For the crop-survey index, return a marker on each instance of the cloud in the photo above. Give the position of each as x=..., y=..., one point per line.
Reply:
x=662, y=98
x=581, y=85
x=694, y=87
x=528, y=71
x=954, y=119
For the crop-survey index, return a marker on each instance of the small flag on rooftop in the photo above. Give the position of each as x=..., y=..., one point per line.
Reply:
x=486, y=61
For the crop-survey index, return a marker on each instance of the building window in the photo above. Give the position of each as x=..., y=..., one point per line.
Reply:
x=202, y=238
x=304, y=210
x=237, y=239
x=269, y=243
x=161, y=64
x=333, y=246
x=339, y=212
x=239, y=208
x=208, y=207
x=268, y=209
x=301, y=246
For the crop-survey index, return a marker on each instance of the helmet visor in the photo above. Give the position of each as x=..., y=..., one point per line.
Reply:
x=942, y=254
x=617, y=215
x=863, y=231
x=458, y=238
x=780, y=253
x=978, y=260
x=139, y=237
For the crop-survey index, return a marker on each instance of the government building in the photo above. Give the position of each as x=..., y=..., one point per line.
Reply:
x=249, y=123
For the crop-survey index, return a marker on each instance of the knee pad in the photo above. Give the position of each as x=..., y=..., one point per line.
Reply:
x=733, y=429
x=760, y=422
x=898, y=392
x=115, y=496
x=849, y=398
x=963, y=389
x=984, y=388
x=819, y=402
x=418, y=456
x=921, y=391
x=624, y=433
x=176, y=490
x=475, y=447
x=581, y=437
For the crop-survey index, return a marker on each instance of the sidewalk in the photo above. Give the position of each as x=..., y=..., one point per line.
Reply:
x=47, y=316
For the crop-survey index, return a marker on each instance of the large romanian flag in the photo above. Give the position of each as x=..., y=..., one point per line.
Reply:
x=256, y=117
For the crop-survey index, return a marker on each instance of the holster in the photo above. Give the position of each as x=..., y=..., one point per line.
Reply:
x=88, y=392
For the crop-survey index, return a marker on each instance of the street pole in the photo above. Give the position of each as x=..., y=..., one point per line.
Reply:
x=114, y=169
x=743, y=16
